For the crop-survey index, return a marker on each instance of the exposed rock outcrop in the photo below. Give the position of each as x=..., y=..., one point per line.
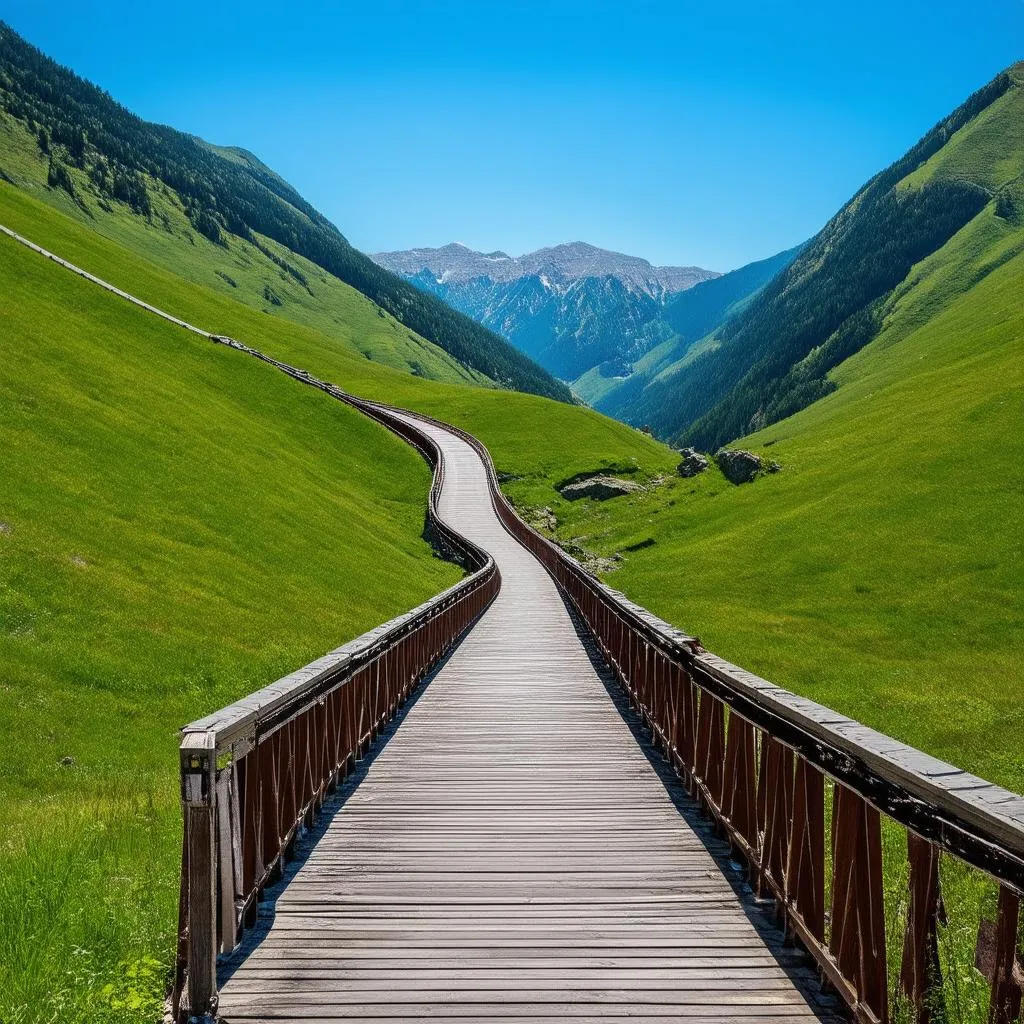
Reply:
x=600, y=488
x=738, y=466
x=693, y=462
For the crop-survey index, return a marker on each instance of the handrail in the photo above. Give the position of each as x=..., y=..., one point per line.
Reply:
x=255, y=773
x=758, y=757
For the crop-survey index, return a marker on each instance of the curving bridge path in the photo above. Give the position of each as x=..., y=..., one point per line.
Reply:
x=511, y=852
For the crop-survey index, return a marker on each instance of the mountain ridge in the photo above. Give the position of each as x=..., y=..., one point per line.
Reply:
x=570, y=307
x=561, y=265
x=777, y=355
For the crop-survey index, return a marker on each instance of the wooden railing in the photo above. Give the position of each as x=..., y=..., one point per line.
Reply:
x=255, y=773
x=760, y=760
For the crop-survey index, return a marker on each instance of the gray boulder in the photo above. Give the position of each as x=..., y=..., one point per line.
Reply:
x=738, y=466
x=693, y=462
x=600, y=488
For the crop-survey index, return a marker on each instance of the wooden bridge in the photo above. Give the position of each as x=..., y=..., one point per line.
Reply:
x=511, y=852
x=582, y=814
x=532, y=842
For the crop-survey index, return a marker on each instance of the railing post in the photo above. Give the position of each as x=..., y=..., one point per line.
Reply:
x=198, y=789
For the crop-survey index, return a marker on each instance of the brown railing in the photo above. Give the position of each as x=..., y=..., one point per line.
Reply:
x=760, y=761
x=759, y=758
x=255, y=773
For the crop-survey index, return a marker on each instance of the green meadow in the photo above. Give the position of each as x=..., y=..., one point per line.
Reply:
x=799, y=576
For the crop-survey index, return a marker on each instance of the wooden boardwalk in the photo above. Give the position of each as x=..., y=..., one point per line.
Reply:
x=511, y=852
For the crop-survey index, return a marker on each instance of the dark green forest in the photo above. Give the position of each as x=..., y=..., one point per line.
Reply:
x=80, y=125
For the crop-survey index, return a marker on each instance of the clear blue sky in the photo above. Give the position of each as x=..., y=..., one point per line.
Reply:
x=709, y=133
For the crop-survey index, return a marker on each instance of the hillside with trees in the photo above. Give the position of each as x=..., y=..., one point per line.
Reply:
x=93, y=144
x=776, y=356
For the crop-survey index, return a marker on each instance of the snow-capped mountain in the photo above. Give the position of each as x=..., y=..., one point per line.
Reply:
x=571, y=307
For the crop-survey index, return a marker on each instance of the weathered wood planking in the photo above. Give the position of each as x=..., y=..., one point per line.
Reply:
x=512, y=853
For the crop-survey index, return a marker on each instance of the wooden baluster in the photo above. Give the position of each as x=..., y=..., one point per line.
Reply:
x=622, y=657
x=805, y=870
x=351, y=724
x=687, y=752
x=639, y=675
x=377, y=691
x=645, y=681
x=359, y=693
x=248, y=794
x=654, y=692
x=639, y=652
x=858, y=921
x=775, y=812
x=666, y=702
x=338, y=752
x=920, y=973
x=325, y=748
x=270, y=801
x=1004, y=970
x=739, y=794
x=628, y=667
x=711, y=745
x=674, y=701
x=308, y=748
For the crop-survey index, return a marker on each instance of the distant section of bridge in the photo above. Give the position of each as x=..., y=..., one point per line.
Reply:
x=511, y=852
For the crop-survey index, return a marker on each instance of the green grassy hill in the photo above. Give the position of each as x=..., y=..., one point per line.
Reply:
x=177, y=527
x=774, y=358
x=163, y=193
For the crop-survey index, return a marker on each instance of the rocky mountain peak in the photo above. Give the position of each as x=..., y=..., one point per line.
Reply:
x=558, y=267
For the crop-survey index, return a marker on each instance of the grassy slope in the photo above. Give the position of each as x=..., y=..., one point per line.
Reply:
x=519, y=426
x=180, y=526
x=239, y=269
x=802, y=576
x=880, y=572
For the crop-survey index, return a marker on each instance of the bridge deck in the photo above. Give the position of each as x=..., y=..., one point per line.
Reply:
x=511, y=851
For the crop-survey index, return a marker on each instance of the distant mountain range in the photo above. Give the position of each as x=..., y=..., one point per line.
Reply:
x=559, y=266
x=571, y=307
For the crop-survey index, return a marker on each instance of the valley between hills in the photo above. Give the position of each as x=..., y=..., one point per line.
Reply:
x=180, y=526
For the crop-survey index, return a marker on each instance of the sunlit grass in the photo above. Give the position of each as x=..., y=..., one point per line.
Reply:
x=181, y=525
